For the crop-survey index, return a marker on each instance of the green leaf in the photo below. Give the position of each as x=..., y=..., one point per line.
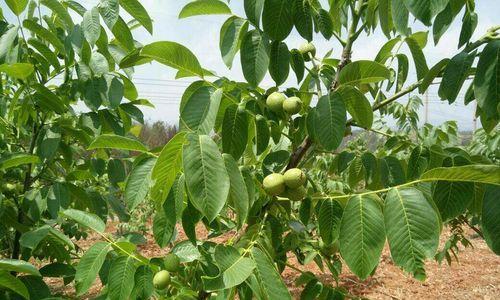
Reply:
x=17, y=6
x=262, y=134
x=130, y=91
x=416, y=46
x=31, y=239
x=173, y=55
x=392, y=172
x=425, y=10
x=455, y=74
x=17, y=159
x=279, y=63
x=330, y=121
x=385, y=17
x=234, y=269
x=253, y=10
x=17, y=70
x=91, y=25
x=138, y=12
x=362, y=234
x=412, y=228
x=110, y=12
x=168, y=164
x=207, y=180
x=49, y=100
x=199, y=107
x=138, y=183
x=417, y=163
x=235, y=131
x=386, y=51
x=6, y=41
x=204, y=7
x=399, y=15
x=186, y=251
x=487, y=79
x=490, y=223
x=297, y=63
x=18, y=266
x=363, y=71
x=357, y=105
x=452, y=198
x=14, y=284
x=58, y=197
x=302, y=19
x=164, y=221
x=238, y=194
x=98, y=64
x=432, y=74
x=371, y=14
x=111, y=141
x=489, y=174
x=190, y=217
x=121, y=277
x=277, y=19
x=469, y=24
x=325, y=23
x=36, y=286
x=329, y=216
x=57, y=269
x=143, y=283
x=231, y=35
x=372, y=174
x=61, y=11
x=85, y=218
x=45, y=34
x=445, y=18
x=268, y=277
x=89, y=265
x=254, y=57
x=123, y=35
x=403, y=68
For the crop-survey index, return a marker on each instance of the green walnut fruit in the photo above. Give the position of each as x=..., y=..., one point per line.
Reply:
x=294, y=178
x=308, y=50
x=161, y=280
x=297, y=194
x=172, y=262
x=292, y=105
x=274, y=184
x=275, y=102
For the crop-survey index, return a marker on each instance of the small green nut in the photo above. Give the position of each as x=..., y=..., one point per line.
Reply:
x=294, y=178
x=274, y=184
x=161, y=280
x=308, y=50
x=292, y=105
x=172, y=263
x=275, y=102
x=297, y=194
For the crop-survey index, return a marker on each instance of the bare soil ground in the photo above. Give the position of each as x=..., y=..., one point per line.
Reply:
x=475, y=276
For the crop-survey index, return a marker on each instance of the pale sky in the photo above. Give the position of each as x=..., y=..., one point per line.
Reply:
x=201, y=34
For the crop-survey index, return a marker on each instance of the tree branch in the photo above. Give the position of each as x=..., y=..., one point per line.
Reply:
x=344, y=60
